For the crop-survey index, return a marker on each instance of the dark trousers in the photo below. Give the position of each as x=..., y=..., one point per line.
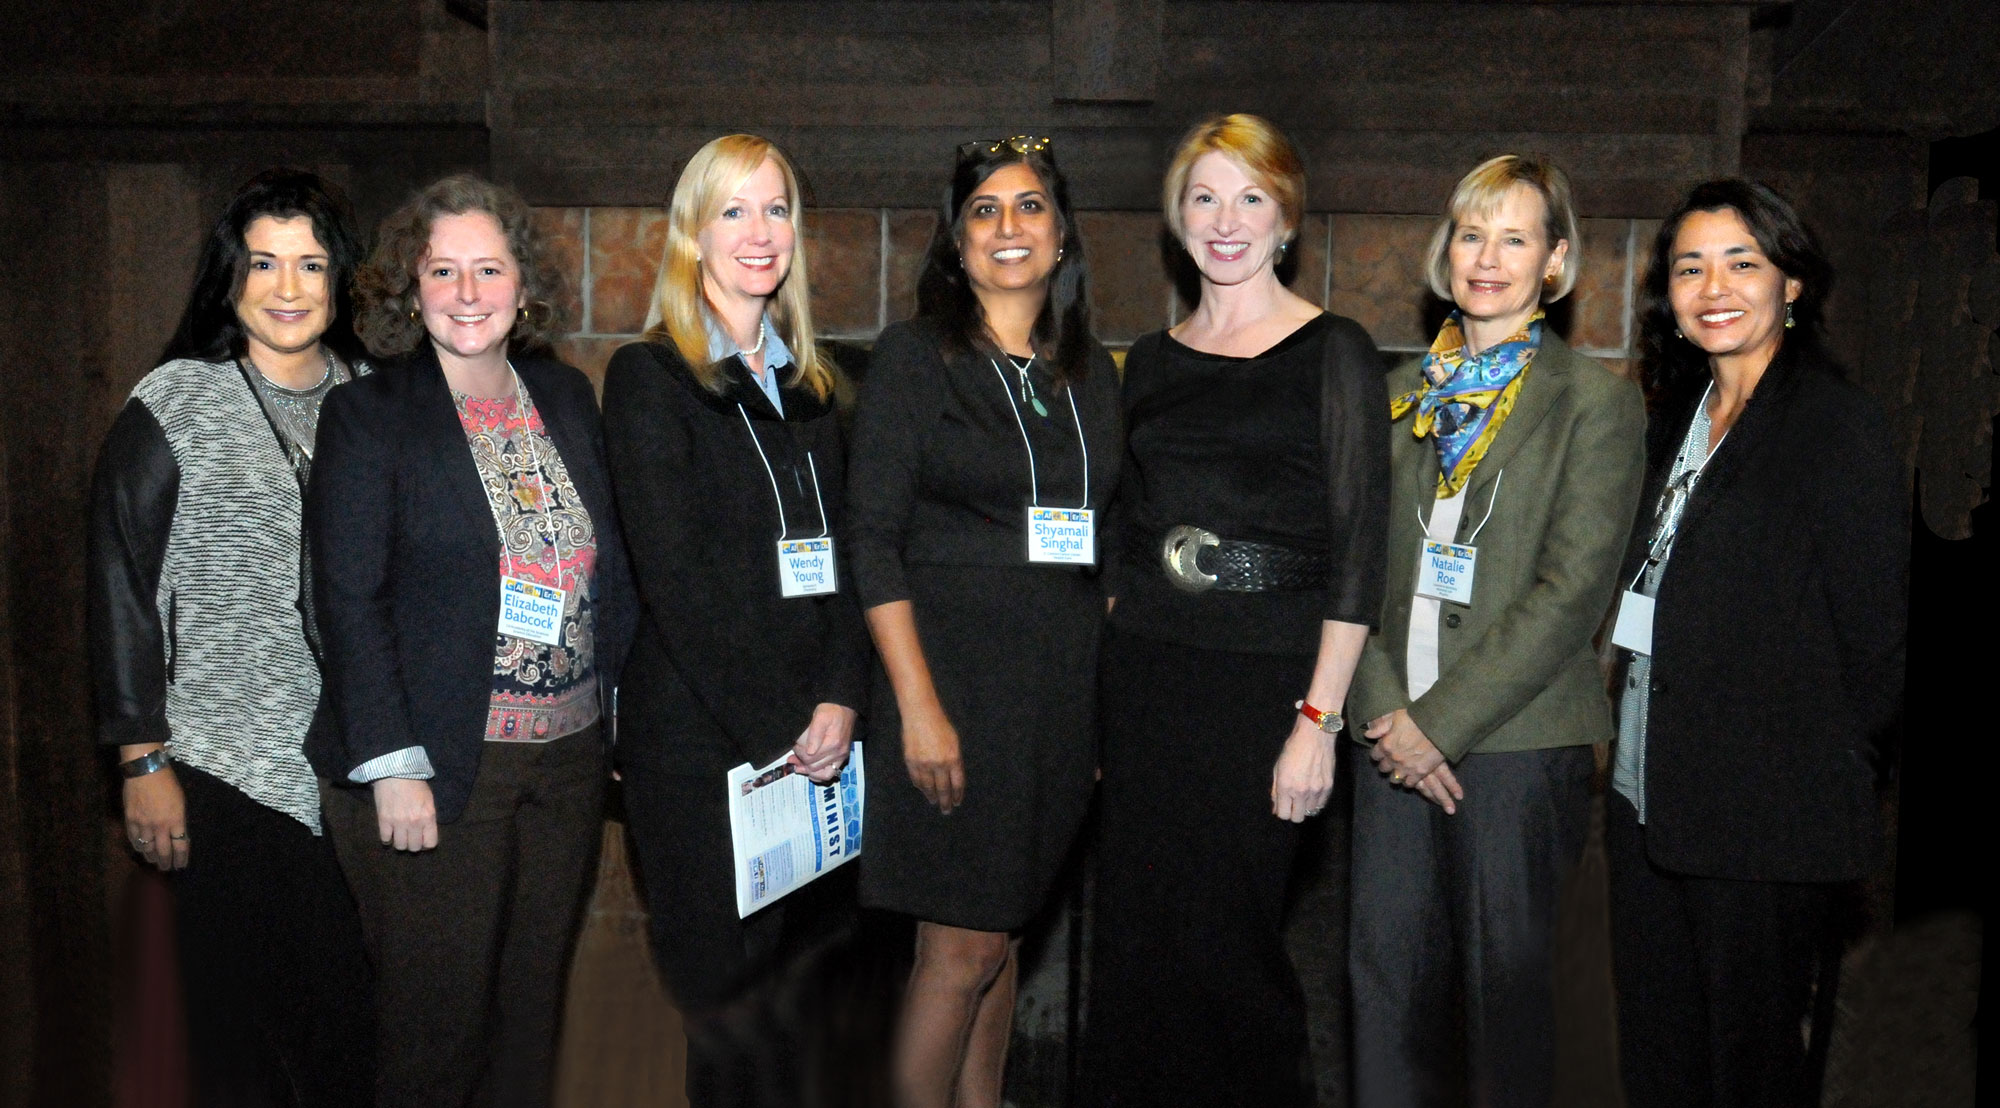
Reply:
x=727, y=975
x=1713, y=978
x=1193, y=996
x=1444, y=907
x=271, y=958
x=472, y=939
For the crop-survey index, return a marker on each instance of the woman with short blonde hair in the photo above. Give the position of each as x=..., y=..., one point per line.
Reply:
x=1252, y=568
x=724, y=443
x=1481, y=694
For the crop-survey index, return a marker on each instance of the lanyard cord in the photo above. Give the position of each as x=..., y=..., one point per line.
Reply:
x=546, y=512
x=1425, y=527
x=1674, y=499
x=1034, y=482
x=784, y=528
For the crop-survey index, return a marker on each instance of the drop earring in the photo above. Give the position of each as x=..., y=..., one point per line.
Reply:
x=1789, y=321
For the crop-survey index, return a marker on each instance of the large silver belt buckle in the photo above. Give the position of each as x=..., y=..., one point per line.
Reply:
x=1178, y=553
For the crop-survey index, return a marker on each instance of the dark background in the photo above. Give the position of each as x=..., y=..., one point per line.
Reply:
x=125, y=125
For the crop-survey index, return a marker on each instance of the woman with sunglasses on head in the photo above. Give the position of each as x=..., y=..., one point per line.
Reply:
x=1761, y=642
x=205, y=661
x=985, y=447
x=724, y=445
x=1256, y=481
x=476, y=606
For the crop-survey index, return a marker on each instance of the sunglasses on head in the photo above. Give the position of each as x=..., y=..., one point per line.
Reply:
x=1019, y=144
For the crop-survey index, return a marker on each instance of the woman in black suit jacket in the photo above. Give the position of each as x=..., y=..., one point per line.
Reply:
x=723, y=442
x=475, y=603
x=1762, y=649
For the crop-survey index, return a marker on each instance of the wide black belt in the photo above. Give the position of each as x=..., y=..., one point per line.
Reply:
x=1197, y=560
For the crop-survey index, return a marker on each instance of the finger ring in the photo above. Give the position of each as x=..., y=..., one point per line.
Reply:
x=1312, y=811
x=1396, y=778
x=142, y=842
x=178, y=838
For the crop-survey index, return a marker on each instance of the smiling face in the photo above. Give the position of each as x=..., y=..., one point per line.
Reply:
x=470, y=287
x=287, y=298
x=1728, y=298
x=1234, y=229
x=746, y=250
x=1500, y=258
x=1008, y=236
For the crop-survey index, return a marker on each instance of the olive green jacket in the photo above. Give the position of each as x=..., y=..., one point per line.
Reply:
x=1516, y=670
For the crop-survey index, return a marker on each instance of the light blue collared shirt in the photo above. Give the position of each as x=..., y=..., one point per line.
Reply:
x=776, y=355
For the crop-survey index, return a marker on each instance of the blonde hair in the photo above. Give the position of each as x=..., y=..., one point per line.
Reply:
x=711, y=177
x=1485, y=189
x=1252, y=142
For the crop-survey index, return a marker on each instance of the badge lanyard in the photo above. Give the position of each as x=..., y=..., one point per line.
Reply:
x=528, y=609
x=1634, y=627
x=1445, y=569
x=805, y=566
x=1058, y=536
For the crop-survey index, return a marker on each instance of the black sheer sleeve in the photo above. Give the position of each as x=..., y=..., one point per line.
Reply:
x=1354, y=438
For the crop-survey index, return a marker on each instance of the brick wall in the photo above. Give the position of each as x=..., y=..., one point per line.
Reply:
x=864, y=263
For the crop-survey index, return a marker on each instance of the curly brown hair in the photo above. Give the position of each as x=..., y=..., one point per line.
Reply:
x=385, y=287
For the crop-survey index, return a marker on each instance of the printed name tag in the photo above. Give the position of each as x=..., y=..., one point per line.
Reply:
x=531, y=611
x=1634, y=629
x=1444, y=571
x=805, y=567
x=1063, y=536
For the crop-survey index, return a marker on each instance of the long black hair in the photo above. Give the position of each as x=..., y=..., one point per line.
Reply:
x=1672, y=363
x=209, y=329
x=1061, y=334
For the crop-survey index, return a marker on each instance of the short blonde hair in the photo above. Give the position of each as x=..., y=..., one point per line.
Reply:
x=1253, y=143
x=711, y=177
x=1482, y=190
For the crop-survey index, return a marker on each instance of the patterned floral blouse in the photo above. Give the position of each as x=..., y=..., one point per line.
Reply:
x=540, y=692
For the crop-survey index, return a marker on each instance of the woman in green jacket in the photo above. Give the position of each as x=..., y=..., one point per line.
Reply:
x=1516, y=464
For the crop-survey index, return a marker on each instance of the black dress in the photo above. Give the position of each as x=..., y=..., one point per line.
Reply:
x=938, y=493
x=725, y=669
x=1193, y=998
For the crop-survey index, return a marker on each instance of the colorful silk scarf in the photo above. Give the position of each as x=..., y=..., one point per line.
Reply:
x=1463, y=401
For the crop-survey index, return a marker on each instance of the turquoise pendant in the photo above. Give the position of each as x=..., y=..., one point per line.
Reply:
x=1039, y=409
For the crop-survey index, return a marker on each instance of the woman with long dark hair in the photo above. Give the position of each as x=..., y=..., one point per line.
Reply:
x=985, y=447
x=724, y=446
x=476, y=606
x=1761, y=656
x=204, y=655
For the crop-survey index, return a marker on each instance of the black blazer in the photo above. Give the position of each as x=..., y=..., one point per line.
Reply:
x=1778, y=635
x=723, y=661
x=405, y=565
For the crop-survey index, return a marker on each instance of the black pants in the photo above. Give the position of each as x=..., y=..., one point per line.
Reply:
x=727, y=975
x=472, y=939
x=1193, y=996
x=1714, y=978
x=1462, y=906
x=271, y=958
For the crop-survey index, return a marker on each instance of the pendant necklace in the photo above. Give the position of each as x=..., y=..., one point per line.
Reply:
x=1028, y=396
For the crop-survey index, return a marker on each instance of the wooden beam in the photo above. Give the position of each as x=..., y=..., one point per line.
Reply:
x=1107, y=50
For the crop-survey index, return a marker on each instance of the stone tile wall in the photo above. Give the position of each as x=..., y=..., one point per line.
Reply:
x=864, y=264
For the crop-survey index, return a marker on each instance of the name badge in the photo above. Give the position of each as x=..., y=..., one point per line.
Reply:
x=1634, y=629
x=805, y=567
x=1062, y=536
x=1444, y=571
x=531, y=611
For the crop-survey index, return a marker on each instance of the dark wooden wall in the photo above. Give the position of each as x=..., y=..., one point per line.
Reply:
x=125, y=123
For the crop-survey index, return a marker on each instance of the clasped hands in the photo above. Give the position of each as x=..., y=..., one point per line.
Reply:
x=1408, y=757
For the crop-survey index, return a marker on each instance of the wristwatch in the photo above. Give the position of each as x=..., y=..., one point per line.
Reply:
x=1329, y=722
x=151, y=762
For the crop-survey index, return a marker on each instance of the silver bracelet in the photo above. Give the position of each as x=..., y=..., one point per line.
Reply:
x=144, y=764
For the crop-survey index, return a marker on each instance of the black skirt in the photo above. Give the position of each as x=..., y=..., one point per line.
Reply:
x=1013, y=654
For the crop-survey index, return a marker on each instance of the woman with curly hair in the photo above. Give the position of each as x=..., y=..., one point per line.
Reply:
x=475, y=602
